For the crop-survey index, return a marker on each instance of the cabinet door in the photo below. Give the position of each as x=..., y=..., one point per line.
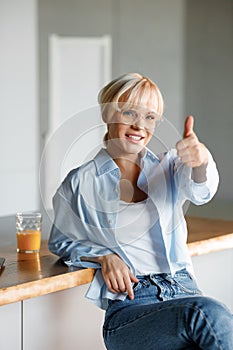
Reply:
x=63, y=320
x=10, y=327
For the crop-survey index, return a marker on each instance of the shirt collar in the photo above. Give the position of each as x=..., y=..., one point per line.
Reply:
x=104, y=162
x=148, y=154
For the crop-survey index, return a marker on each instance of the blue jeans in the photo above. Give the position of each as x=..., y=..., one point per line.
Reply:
x=167, y=313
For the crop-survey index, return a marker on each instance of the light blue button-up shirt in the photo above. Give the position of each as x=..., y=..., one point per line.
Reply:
x=87, y=202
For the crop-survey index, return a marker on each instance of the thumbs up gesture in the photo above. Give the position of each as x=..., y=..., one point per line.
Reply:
x=191, y=152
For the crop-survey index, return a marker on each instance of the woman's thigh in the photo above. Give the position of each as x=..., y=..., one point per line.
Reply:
x=187, y=323
x=153, y=320
x=151, y=326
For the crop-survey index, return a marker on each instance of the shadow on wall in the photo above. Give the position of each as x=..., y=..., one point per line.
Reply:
x=216, y=209
x=7, y=230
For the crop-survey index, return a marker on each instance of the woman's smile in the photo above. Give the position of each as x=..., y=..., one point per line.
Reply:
x=135, y=138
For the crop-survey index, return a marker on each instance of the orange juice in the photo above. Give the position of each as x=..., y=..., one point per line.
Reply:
x=28, y=241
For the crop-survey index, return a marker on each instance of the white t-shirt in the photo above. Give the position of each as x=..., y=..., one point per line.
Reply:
x=133, y=232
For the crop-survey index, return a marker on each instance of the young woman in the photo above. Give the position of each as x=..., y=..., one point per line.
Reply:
x=122, y=213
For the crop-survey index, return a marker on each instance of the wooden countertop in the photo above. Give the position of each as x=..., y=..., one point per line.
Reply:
x=30, y=275
x=208, y=235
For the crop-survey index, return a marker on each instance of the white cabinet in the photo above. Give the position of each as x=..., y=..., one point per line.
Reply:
x=62, y=320
x=214, y=275
x=10, y=327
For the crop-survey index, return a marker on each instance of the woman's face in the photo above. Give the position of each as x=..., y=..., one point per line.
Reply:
x=128, y=134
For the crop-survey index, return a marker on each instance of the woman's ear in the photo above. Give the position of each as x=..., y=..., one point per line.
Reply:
x=104, y=117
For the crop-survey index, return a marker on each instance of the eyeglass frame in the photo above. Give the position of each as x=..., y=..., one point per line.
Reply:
x=132, y=122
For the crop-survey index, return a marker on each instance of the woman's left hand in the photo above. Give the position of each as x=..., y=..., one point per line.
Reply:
x=191, y=152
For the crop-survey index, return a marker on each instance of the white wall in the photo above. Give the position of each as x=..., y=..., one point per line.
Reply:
x=209, y=90
x=18, y=106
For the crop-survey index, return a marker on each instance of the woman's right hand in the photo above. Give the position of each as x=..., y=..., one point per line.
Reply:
x=117, y=275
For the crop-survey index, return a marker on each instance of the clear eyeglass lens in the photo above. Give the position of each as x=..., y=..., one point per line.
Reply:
x=151, y=120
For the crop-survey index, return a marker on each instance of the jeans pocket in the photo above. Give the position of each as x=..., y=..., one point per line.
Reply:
x=186, y=283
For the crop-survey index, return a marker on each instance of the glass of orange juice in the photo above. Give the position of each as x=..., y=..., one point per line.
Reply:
x=28, y=232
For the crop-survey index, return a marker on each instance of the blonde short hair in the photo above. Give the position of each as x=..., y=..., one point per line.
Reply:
x=131, y=89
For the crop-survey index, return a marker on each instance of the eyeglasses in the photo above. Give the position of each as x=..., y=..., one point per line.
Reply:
x=151, y=120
